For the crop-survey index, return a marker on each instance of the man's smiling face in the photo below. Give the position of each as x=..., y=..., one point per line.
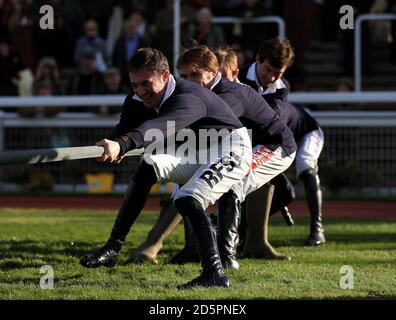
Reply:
x=149, y=86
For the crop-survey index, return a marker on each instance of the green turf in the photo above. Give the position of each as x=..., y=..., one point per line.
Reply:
x=30, y=239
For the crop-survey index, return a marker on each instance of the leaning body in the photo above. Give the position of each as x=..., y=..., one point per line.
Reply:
x=273, y=143
x=159, y=99
x=188, y=106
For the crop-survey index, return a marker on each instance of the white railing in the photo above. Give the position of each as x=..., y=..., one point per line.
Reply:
x=347, y=97
x=358, y=43
x=117, y=100
x=91, y=120
x=62, y=101
x=355, y=118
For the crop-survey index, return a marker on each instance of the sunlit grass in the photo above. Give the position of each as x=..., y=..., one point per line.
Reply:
x=30, y=239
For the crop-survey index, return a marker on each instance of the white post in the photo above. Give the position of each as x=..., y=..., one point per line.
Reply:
x=358, y=54
x=358, y=43
x=281, y=26
x=176, y=34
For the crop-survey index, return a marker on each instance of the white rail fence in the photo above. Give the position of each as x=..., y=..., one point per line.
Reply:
x=117, y=100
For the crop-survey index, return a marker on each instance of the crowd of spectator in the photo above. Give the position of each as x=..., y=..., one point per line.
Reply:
x=92, y=40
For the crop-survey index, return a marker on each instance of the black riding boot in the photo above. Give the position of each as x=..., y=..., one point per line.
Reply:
x=314, y=199
x=228, y=217
x=189, y=253
x=133, y=203
x=213, y=273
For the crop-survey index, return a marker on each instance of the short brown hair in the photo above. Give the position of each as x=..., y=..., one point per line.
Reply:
x=149, y=58
x=277, y=51
x=198, y=57
x=227, y=59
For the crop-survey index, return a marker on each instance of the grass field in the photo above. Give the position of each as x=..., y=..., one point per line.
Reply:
x=31, y=238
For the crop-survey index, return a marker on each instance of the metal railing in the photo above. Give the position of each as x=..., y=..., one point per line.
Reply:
x=117, y=100
x=358, y=43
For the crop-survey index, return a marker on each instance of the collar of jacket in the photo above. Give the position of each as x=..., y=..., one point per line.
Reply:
x=252, y=75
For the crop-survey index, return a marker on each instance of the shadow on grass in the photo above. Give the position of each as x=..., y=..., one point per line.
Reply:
x=362, y=237
x=372, y=295
x=36, y=281
x=29, y=253
x=342, y=238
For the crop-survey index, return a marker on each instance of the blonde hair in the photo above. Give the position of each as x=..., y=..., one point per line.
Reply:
x=227, y=59
x=44, y=62
x=199, y=58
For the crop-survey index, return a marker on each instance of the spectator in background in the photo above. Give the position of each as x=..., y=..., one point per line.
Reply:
x=88, y=79
x=204, y=32
x=163, y=27
x=51, y=137
x=344, y=85
x=126, y=46
x=97, y=10
x=10, y=65
x=143, y=28
x=42, y=88
x=47, y=69
x=16, y=25
x=112, y=85
x=91, y=40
